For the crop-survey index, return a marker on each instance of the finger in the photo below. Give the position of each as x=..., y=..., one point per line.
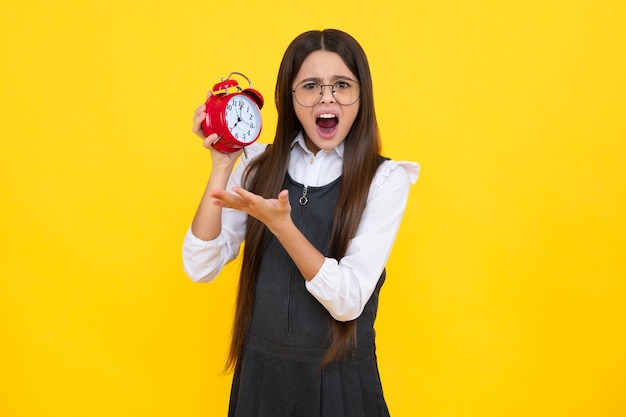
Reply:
x=216, y=193
x=198, y=117
x=197, y=129
x=209, y=140
x=283, y=196
x=199, y=113
x=225, y=199
x=243, y=193
x=200, y=109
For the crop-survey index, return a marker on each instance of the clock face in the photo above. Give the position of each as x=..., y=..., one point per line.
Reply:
x=243, y=118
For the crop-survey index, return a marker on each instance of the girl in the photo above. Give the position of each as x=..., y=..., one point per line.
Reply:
x=319, y=210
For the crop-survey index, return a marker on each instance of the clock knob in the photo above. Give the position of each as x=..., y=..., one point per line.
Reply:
x=254, y=95
x=225, y=85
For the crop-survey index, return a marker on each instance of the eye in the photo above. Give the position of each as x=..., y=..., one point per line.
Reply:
x=344, y=84
x=309, y=85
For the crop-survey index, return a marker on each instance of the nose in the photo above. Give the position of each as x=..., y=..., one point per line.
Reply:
x=331, y=95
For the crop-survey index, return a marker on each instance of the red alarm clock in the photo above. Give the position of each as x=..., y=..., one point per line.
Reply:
x=235, y=117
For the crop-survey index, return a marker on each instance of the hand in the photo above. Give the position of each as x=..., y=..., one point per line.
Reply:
x=219, y=159
x=275, y=213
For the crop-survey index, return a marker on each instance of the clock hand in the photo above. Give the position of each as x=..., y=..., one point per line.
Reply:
x=238, y=119
x=238, y=112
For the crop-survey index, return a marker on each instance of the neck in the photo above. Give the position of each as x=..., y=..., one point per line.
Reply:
x=310, y=145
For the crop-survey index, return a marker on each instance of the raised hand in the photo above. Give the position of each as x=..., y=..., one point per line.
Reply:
x=218, y=158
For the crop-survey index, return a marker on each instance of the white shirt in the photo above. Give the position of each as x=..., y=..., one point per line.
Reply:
x=342, y=286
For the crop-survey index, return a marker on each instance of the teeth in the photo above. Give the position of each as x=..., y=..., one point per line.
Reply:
x=326, y=116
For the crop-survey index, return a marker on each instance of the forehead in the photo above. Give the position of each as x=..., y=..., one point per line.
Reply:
x=324, y=66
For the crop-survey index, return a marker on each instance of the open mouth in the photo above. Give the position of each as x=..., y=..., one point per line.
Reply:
x=327, y=124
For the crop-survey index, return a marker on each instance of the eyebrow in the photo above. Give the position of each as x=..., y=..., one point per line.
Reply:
x=335, y=78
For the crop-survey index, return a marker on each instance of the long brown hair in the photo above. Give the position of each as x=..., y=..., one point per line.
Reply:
x=265, y=175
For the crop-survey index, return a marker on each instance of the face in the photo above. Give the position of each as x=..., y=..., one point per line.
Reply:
x=327, y=123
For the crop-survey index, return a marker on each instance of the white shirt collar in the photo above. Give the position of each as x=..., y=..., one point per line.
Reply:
x=299, y=139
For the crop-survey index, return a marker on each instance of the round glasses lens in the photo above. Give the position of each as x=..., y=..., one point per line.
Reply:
x=309, y=93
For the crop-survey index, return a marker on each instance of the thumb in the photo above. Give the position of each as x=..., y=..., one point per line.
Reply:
x=283, y=198
x=208, y=141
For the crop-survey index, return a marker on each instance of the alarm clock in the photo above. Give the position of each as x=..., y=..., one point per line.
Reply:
x=234, y=116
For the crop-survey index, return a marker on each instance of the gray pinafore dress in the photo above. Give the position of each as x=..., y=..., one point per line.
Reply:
x=279, y=373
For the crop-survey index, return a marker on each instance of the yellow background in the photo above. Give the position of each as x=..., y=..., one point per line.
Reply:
x=506, y=293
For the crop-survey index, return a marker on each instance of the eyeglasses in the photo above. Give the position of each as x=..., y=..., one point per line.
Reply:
x=345, y=91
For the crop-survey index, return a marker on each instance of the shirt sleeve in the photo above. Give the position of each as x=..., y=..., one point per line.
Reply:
x=344, y=286
x=203, y=260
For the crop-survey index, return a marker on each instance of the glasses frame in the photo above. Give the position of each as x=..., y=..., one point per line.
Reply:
x=332, y=91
